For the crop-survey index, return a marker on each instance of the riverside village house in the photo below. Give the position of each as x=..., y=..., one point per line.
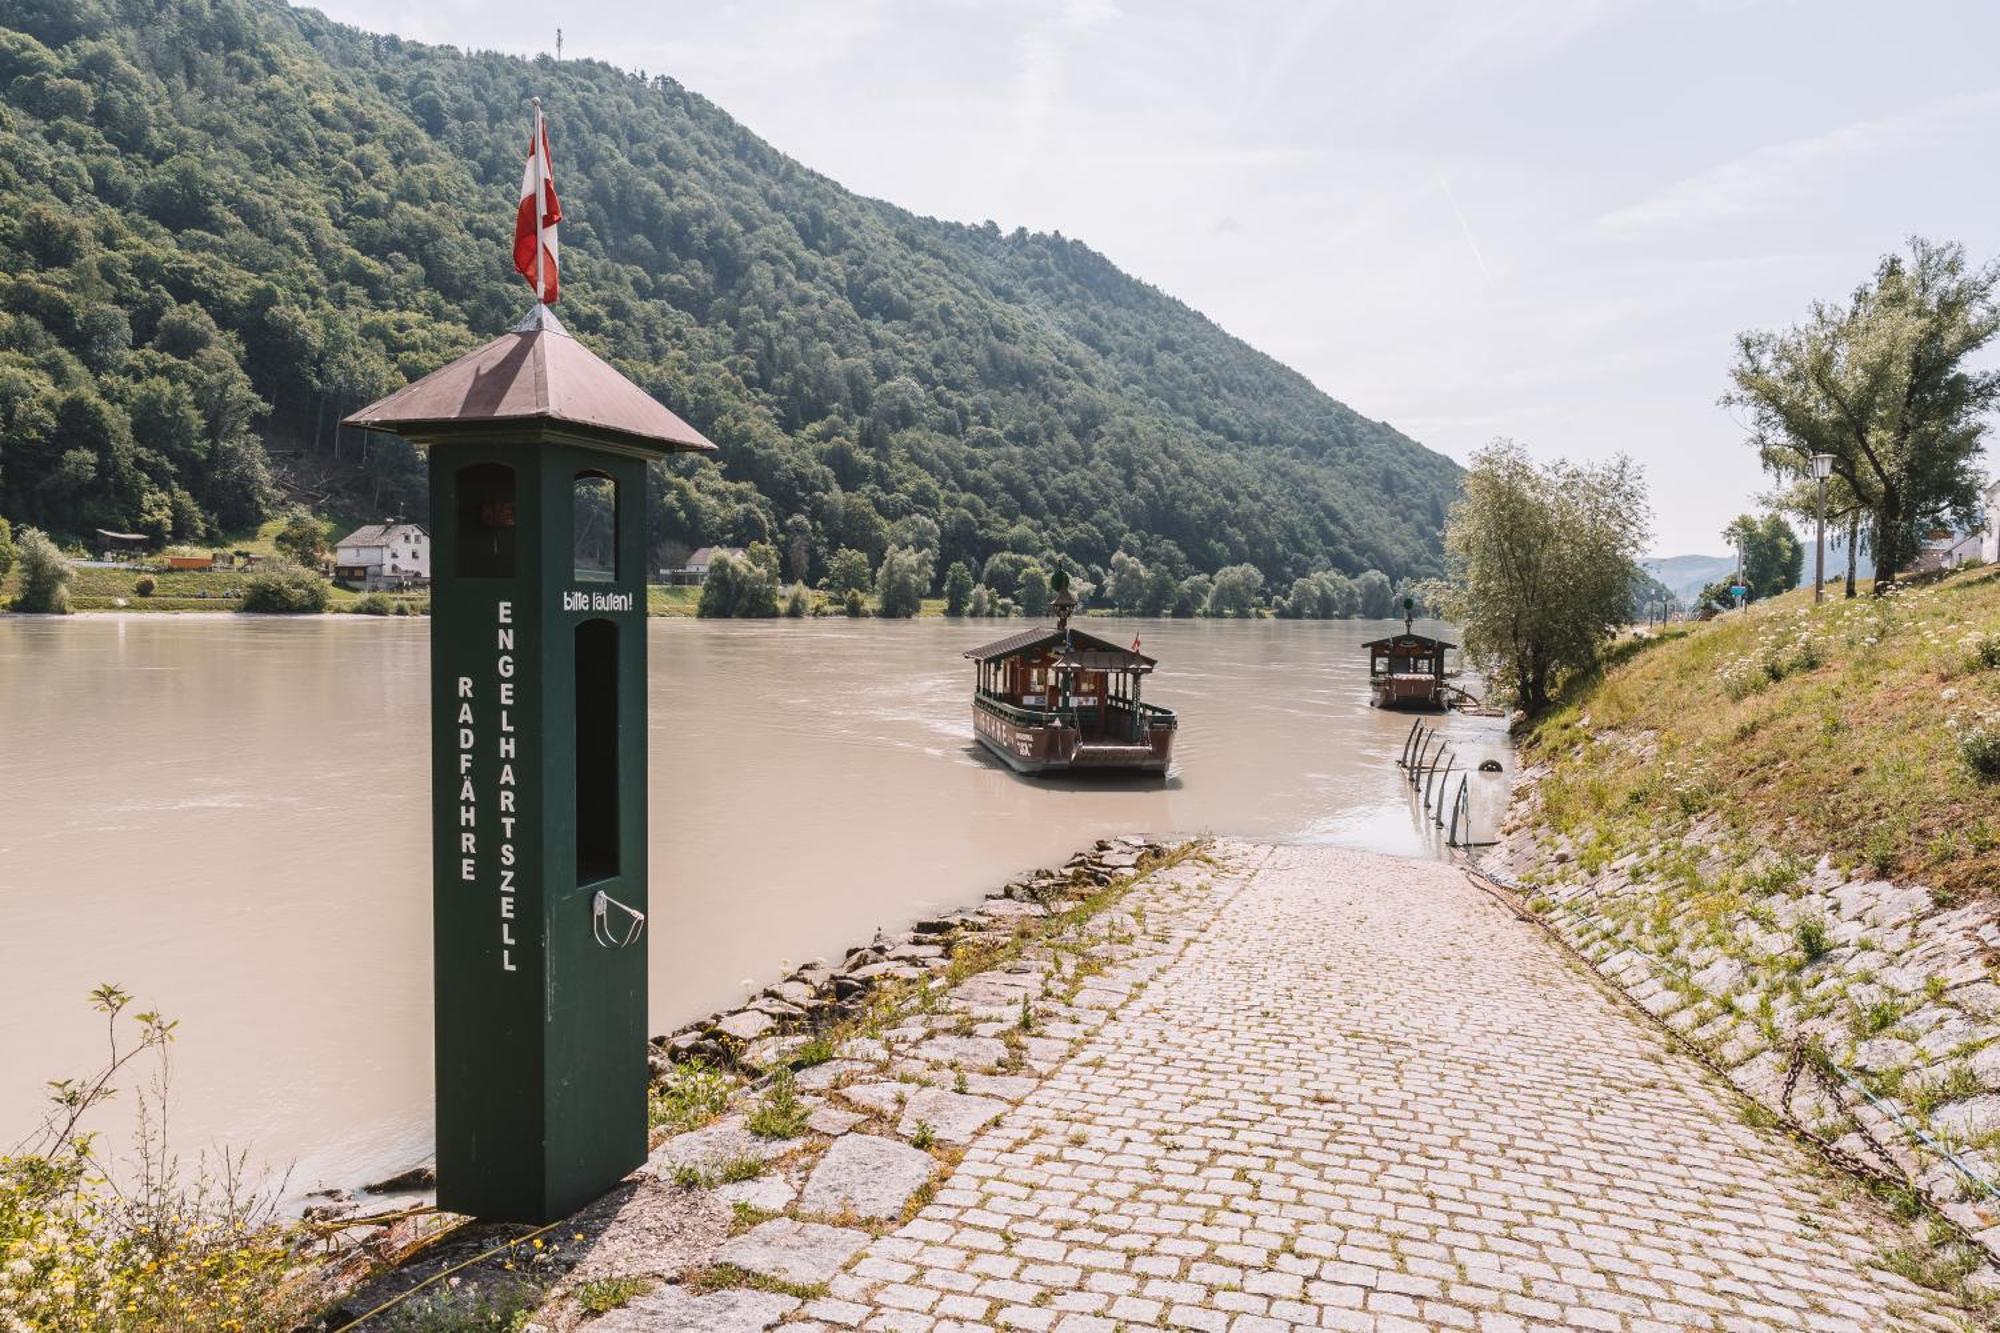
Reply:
x=1944, y=548
x=389, y=554
x=695, y=571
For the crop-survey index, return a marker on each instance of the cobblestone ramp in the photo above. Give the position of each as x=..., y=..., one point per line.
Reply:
x=1365, y=1096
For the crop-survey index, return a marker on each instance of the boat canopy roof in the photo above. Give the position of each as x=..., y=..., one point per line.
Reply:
x=1080, y=650
x=1405, y=643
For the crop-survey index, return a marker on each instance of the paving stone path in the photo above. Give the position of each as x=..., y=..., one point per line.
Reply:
x=1354, y=1093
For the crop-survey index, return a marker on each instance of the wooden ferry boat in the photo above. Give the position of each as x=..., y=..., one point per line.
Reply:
x=1406, y=671
x=1059, y=700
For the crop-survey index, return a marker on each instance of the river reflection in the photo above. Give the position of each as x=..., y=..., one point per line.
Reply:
x=229, y=818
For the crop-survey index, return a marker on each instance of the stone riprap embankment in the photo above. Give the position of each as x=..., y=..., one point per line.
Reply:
x=1268, y=1089
x=1892, y=986
x=764, y=1032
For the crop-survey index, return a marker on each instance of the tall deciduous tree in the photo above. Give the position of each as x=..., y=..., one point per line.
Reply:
x=739, y=588
x=1377, y=594
x=902, y=581
x=1235, y=590
x=1031, y=590
x=1773, y=557
x=848, y=572
x=303, y=538
x=1881, y=383
x=1544, y=557
x=45, y=575
x=957, y=588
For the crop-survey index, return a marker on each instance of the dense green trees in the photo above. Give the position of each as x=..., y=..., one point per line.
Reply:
x=231, y=222
x=1234, y=591
x=1544, y=559
x=1322, y=596
x=1881, y=384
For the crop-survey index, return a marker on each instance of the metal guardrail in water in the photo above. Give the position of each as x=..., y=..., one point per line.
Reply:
x=1421, y=767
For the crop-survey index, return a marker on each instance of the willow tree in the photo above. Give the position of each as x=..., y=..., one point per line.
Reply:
x=1544, y=557
x=1881, y=384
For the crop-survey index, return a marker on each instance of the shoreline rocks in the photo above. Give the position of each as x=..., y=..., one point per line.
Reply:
x=762, y=1032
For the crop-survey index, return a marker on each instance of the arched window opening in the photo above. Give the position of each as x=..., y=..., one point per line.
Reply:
x=594, y=527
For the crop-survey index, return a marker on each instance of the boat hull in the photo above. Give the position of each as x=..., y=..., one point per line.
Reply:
x=1036, y=749
x=1407, y=694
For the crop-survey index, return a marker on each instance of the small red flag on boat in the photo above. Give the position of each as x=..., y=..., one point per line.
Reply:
x=1135, y=643
x=535, y=248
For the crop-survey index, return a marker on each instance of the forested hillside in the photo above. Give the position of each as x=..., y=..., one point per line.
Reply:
x=229, y=222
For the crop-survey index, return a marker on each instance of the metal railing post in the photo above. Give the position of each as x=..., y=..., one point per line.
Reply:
x=1415, y=726
x=1432, y=774
x=1423, y=754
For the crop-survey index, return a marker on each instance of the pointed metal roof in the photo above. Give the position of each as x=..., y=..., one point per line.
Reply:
x=1032, y=640
x=537, y=374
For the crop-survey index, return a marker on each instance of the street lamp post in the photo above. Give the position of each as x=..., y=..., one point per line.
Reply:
x=1822, y=468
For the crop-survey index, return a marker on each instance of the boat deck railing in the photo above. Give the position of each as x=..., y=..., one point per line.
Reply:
x=1152, y=714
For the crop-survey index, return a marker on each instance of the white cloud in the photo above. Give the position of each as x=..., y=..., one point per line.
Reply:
x=1769, y=177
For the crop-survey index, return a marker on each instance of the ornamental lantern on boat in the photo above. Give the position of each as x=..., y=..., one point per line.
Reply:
x=1063, y=604
x=1052, y=700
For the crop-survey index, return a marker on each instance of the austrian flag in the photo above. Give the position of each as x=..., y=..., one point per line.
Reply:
x=535, y=247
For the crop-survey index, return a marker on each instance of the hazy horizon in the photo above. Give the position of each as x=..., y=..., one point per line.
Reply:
x=1542, y=220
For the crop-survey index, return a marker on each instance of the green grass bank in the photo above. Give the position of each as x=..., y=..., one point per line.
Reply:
x=1865, y=730
x=1779, y=833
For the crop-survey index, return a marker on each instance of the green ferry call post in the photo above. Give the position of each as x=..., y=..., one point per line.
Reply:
x=537, y=452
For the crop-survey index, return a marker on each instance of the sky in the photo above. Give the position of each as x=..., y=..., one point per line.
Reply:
x=1539, y=219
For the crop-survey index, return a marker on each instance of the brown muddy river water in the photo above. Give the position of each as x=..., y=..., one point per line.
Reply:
x=228, y=818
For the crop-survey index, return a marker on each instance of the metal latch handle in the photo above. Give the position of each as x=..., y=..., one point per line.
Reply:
x=600, y=922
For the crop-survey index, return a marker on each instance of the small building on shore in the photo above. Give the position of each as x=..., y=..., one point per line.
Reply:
x=389, y=554
x=1943, y=549
x=122, y=545
x=695, y=572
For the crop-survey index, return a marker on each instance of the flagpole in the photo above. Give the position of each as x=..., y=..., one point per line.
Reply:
x=541, y=196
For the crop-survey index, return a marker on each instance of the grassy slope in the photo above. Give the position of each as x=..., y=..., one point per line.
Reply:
x=1802, y=730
